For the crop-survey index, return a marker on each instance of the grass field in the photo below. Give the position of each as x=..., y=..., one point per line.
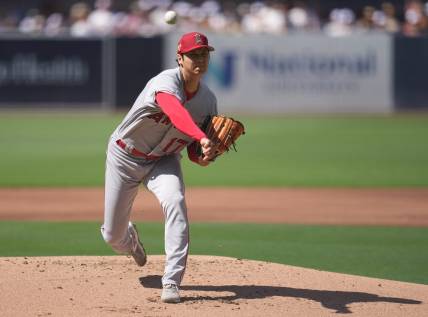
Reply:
x=69, y=150
x=334, y=151
x=385, y=252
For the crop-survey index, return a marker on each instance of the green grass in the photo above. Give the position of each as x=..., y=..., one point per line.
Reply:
x=383, y=252
x=54, y=150
x=307, y=151
x=354, y=151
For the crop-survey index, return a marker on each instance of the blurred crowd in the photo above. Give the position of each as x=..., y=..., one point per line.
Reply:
x=145, y=18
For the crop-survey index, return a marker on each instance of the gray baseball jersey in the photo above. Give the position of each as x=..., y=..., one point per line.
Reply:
x=149, y=131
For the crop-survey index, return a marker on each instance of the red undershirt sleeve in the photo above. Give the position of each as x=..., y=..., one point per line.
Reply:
x=179, y=115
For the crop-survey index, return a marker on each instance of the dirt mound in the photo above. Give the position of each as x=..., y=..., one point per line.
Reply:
x=213, y=286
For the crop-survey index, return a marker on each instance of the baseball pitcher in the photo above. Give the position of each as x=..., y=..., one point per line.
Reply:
x=145, y=149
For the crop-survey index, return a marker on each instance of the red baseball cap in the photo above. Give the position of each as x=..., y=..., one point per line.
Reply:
x=192, y=41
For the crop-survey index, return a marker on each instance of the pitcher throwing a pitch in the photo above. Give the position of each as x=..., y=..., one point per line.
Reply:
x=145, y=149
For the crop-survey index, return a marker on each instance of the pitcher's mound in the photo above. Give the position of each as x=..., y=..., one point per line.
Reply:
x=213, y=286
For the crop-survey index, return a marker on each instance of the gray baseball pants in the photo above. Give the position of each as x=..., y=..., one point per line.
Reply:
x=164, y=179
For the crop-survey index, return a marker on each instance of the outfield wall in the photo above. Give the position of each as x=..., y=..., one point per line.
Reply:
x=49, y=72
x=374, y=73
x=300, y=73
x=411, y=73
x=76, y=73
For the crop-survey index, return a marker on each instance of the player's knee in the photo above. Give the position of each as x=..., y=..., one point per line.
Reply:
x=173, y=201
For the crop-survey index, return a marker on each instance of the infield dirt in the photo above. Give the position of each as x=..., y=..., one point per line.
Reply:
x=399, y=207
x=213, y=286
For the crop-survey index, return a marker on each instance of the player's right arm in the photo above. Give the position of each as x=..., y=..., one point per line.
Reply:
x=183, y=121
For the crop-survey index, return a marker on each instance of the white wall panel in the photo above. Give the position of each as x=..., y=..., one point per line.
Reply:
x=300, y=73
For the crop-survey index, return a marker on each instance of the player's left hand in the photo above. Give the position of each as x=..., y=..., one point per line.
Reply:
x=223, y=132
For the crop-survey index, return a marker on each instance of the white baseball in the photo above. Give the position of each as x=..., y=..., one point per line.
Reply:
x=170, y=17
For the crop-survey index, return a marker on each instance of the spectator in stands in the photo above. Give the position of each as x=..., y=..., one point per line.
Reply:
x=137, y=21
x=416, y=21
x=221, y=19
x=366, y=22
x=274, y=18
x=101, y=20
x=32, y=23
x=157, y=16
x=145, y=18
x=185, y=21
x=79, y=25
x=391, y=23
x=341, y=23
x=249, y=20
x=9, y=22
x=54, y=25
x=301, y=17
x=298, y=17
x=261, y=17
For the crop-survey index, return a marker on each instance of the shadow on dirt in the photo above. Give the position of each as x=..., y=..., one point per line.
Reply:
x=336, y=300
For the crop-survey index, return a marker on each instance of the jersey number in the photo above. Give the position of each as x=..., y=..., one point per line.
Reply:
x=179, y=145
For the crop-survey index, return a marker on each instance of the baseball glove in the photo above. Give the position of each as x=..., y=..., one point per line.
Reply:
x=223, y=132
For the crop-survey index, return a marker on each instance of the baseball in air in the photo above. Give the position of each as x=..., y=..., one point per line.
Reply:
x=170, y=17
